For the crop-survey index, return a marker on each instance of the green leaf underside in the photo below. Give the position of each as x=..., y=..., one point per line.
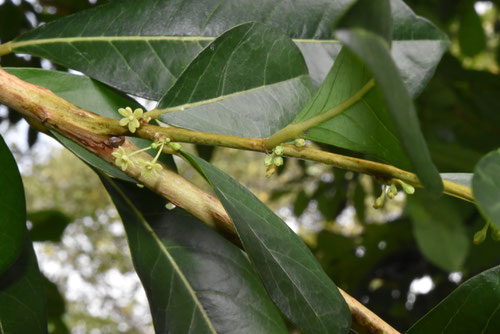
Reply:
x=439, y=231
x=373, y=51
x=291, y=274
x=464, y=179
x=486, y=186
x=90, y=95
x=474, y=307
x=196, y=281
x=13, y=209
x=250, y=82
x=22, y=295
x=142, y=47
x=366, y=126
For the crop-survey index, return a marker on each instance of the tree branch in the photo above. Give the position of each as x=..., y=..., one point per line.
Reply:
x=93, y=132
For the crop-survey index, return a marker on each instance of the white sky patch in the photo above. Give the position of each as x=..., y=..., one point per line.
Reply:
x=455, y=277
x=419, y=286
x=482, y=7
x=422, y=286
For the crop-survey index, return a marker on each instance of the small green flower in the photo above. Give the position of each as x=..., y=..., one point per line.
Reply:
x=278, y=161
x=122, y=159
x=149, y=167
x=278, y=150
x=380, y=201
x=131, y=118
x=175, y=146
x=480, y=235
x=392, y=192
x=269, y=160
x=299, y=142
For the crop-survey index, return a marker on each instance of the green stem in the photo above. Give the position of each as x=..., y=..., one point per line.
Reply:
x=6, y=48
x=294, y=130
x=159, y=152
x=139, y=151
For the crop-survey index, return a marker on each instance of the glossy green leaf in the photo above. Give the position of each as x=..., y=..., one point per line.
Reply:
x=374, y=52
x=142, y=47
x=22, y=295
x=366, y=126
x=13, y=209
x=196, y=281
x=439, y=230
x=250, y=82
x=474, y=307
x=486, y=186
x=90, y=95
x=48, y=225
x=464, y=179
x=22, y=298
x=291, y=274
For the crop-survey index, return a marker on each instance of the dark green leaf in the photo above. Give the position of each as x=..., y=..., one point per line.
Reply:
x=250, y=82
x=142, y=47
x=12, y=208
x=48, y=225
x=471, y=36
x=361, y=15
x=486, y=186
x=291, y=274
x=439, y=230
x=474, y=307
x=90, y=95
x=373, y=51
x=22, y=295
x=196, y=281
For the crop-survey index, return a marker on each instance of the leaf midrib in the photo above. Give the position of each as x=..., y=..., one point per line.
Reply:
x=167, y=254
x=89, y=39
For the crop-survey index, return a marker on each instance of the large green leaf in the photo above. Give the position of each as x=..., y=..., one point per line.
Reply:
x=90, y=95
x=291, y=274
x=12, y=208
x=250, y=82
x=366, y=126
x=196, y=281
x=486, y=186
x=374, y=52
x=439, y=230
x=22, y=295
x=474, y=307
x=142, y=47
x=22, y=298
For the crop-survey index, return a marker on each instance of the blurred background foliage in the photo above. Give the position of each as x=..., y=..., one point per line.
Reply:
x=400, y=260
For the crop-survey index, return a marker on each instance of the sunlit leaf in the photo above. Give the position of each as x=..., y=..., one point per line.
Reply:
x=142, y=47
x=250, y=82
